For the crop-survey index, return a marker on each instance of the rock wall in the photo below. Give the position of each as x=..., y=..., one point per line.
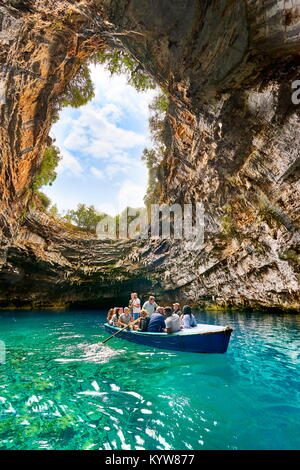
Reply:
x=228, y=66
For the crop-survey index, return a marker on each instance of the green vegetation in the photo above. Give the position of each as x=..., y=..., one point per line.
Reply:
x=157, y=121
x=54, y=211
x=85, y=217
x=289, y=255
x=154, y=157
x=270, y=212
x=43, y=199
x=118, y=62
x=23, y=216
x=80, y=89
x=227, y=222
x=78, y=92
x=45, y=175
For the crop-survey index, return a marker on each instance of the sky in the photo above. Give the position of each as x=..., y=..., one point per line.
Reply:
x=101, y=145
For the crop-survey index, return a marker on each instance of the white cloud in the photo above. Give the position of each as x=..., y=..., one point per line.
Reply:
x=101, y=143
x=108, y=208
x=112, y=170
x=69, y=163
x=112, y=111
x=96, y=133
x=116, y=90
x=76, y=140
x=131, y=194
x=97, y=173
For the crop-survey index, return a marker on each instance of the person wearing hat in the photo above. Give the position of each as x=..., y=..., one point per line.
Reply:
x=176, y=308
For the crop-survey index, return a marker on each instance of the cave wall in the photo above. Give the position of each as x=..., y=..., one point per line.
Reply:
x=228, y=66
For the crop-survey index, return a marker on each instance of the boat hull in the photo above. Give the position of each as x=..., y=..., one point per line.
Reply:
x=200, y=341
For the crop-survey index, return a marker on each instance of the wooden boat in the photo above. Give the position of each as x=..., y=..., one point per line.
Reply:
x=200, y=339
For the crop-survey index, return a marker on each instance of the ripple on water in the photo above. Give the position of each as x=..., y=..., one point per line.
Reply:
x=85, y=352
x=62, y=389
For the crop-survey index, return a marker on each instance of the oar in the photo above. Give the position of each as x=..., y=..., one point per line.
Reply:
x=115, y=334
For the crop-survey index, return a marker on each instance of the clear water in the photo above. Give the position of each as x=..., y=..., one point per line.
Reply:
x=61, y=389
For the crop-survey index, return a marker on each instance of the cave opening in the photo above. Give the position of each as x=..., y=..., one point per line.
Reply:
x=230, y=100
x=107, y=134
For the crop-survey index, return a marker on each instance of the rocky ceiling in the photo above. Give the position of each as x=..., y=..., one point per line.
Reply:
x=229, y=67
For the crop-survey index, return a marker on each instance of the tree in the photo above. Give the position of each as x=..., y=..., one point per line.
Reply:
x=118, y=62
x=85, y=217
x=80, y=89
x=43, y=199
x=157, y=121
x=46, y=173
x=154, y=156
x=54, y=210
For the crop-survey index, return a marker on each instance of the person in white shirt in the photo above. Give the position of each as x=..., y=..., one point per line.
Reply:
x=135, y=305
x=150, y=305
x=188, y=319
x=172, y=321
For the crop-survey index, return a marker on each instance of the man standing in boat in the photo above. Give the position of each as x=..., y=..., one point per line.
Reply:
x=135, y=305
x=150, y=305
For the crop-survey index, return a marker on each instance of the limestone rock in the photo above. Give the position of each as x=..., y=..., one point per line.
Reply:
x=228, y=67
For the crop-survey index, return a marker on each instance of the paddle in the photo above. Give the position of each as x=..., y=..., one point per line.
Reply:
x=115, y=334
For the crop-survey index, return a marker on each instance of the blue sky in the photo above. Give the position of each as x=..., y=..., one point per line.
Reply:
x=101, y=145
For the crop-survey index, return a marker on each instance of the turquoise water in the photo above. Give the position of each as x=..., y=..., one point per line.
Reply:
x=60, y=389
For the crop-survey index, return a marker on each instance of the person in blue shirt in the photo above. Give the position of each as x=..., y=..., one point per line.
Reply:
x=188, y=319
x=157, y=321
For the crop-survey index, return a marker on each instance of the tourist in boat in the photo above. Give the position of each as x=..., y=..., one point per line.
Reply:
x=125, y=318
x=136, y=306
x=115, y=317
x=131, y=300
x=110, y=315
x=144, y=321
x=172, y=321
x=188, y=319
x=157, y=321
x=176, y=309
x=150, y=305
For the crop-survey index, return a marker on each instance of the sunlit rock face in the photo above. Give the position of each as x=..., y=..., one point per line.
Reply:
x=233, y=143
